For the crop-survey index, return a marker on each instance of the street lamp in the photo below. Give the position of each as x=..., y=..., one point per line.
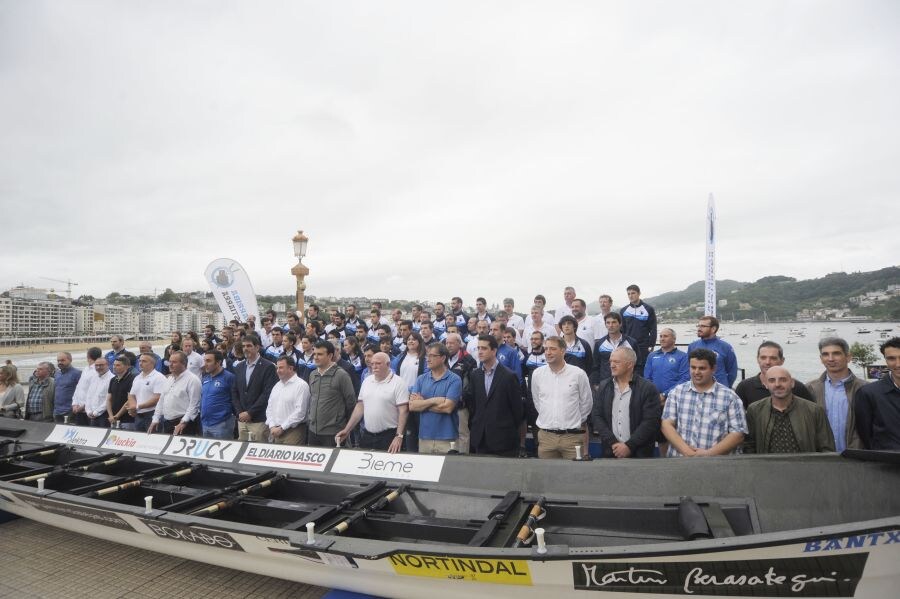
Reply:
x=299, y=270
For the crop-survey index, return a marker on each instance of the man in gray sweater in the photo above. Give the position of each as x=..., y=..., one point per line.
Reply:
x=331, y=397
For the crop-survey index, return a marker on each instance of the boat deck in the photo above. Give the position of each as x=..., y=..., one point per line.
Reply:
x=41, y=561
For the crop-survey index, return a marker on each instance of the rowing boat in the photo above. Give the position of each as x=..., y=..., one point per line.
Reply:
x=452, y=526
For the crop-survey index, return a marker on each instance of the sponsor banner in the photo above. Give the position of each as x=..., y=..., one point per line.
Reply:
x=872, y=539
x=496, y=571
x=192, y=534
x=317, y=557
x=214, y=450
x=77, y=435
x=820, y=576
x=78, y=512
x=287, y=456
x=402, y=466
x=231, y=287
x=135, y=442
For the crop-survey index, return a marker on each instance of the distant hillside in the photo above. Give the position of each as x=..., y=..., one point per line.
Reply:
x=875, y=294
x=692, y=294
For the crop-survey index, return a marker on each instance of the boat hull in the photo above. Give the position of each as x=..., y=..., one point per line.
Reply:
x=855, y=559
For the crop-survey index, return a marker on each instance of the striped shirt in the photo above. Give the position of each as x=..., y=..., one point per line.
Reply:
x=837, y=408
x=704, y=418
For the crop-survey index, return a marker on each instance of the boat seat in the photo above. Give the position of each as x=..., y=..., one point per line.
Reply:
x=719, y=525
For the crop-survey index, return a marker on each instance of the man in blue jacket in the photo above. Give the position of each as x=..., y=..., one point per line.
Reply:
x=726, y=361
x=639, y=323
x=667, y=366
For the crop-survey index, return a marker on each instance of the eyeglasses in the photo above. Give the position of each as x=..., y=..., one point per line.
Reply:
x=433, y=355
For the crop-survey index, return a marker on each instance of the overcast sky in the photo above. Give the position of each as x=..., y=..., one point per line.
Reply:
x=436, y=149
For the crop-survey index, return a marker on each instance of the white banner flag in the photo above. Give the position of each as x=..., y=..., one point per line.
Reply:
x=710, y=307
x=232, y=289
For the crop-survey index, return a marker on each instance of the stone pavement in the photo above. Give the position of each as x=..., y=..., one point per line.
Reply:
x=44, y=562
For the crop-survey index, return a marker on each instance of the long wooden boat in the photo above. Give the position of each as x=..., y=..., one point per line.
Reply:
x=463, y=526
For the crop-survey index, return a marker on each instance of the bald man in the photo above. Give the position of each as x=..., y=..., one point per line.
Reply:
x=384, y=402
x=785, y=423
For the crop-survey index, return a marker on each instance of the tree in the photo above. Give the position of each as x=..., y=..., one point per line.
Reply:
x=167, y=296
x=863, y=354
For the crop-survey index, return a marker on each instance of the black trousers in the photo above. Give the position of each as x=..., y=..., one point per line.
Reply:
x=380, y=441
x=168, y=427
x=314, y=440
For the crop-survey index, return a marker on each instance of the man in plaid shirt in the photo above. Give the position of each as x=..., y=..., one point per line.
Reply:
x=702, y=416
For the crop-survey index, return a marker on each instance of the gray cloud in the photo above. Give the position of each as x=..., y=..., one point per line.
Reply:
x=433, y=150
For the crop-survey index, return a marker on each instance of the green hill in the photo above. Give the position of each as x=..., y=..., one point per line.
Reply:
x=785, y=298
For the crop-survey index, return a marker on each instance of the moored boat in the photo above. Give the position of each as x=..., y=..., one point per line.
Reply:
x=451, y=526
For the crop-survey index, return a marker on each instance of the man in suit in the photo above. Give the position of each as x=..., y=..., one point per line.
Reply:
x=626, y=409
x=253, y=382
x=495, y=404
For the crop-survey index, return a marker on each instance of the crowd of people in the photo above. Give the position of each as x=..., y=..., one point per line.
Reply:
x=449, y=381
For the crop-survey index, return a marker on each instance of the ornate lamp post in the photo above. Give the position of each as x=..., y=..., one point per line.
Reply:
x=299, y=270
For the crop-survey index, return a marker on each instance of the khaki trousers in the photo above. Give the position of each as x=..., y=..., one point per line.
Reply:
x=462, y=443
x=552, y=445
x=292, y=436
x=258, y=430
x=434, y=446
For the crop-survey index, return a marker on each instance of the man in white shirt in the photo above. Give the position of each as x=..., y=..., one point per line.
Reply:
x=606, y=306
x=88, y=375
x=178, y=408
x=538, y=322
x=384, y=405
x=194, y=359
x=565, y=309
x=563, y=399
x=585, y=328
x=512, y=319
x=481, y=328
x=94, y=396
x=541, y=301
x=145, y=391
x=288, y=405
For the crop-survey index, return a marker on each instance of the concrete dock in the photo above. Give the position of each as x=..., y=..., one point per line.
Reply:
x=43, y=562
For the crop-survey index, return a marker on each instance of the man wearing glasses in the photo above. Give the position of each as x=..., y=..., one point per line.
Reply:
x=435, y=396
x=726, y=361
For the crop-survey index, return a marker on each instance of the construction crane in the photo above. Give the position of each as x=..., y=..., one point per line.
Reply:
x=68, y=282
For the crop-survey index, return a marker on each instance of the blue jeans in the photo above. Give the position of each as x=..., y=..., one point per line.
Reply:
x=222, y=430
x=142, y=421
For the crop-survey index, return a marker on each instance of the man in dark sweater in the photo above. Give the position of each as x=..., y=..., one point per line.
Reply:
x=753, y=389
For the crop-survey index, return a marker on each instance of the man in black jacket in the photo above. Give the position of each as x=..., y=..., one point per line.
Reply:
x=626, y=411
x=253, y=382
x=495, y=404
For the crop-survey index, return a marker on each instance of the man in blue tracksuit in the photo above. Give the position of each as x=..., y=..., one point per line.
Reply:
x=668, y=366
x=726, y=361
x=639, y=323
x=506, y=355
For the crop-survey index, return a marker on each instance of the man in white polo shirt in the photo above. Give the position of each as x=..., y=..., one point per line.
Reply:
x=563, y=399
x=178, y=409
x=288, y=404
x=145, y=392
x=194, y=359
x=384, y=401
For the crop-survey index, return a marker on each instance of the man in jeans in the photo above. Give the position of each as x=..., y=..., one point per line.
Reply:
x=331, y=397
x=145, y=392
x=216, y=416
x=66, y=380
